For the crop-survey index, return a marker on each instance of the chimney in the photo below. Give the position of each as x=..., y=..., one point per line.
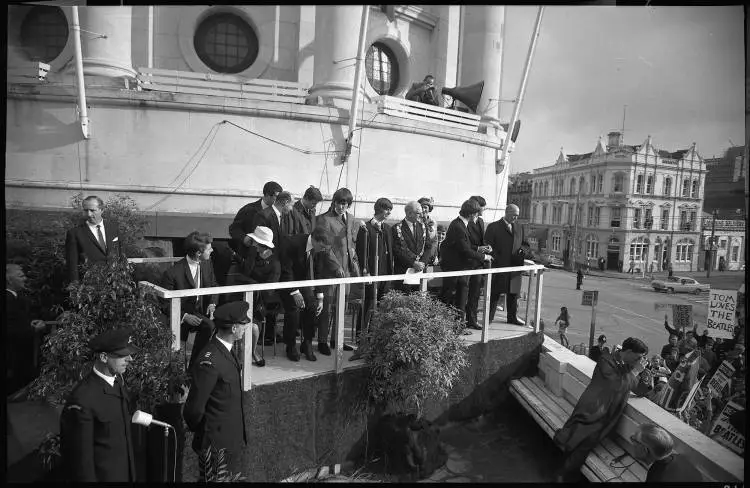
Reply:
x=614, y=140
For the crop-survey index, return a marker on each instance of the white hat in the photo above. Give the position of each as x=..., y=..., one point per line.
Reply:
x=262, y=235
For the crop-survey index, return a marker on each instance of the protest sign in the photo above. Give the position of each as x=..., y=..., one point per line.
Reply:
x=725, y=433
x=721, y=378
x=720, y=321
x=663, y=306
x=682, y=380
x=682, y=317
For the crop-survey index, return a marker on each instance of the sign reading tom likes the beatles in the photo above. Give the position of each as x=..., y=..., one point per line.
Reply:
x=720, y=321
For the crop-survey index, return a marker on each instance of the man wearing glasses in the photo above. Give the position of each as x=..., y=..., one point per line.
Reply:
x=654, y=446
x=213, y=409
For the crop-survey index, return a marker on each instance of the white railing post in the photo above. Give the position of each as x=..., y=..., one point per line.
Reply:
x=486, y=315
x=340, y=310
x=423, y=285
x=247, y=350
x=174, y=322
x=538, y=301
x=532, y=274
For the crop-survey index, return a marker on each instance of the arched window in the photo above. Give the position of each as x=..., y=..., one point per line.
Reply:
x=684, y=251
x=667, y=187
x=638, y=249
x=226, y=43
x=44, y=33
x=592, y=246
x=382, y=69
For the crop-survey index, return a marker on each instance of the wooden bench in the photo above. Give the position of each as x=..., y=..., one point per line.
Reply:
x=610, y=461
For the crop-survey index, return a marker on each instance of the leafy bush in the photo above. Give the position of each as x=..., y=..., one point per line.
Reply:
x=109, y=298
x=37, y=242
x=415, y=352
x=213, y=467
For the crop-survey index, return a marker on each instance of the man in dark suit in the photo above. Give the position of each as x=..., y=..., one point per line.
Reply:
x=92, y=241
x=375, y=254
x=19, y=344
x=277, y=217
x=456, y=254
x=96, y=442
x=213, y=409
x=303, y=211
x=243, y=223
x=476, y=240
x=194, y=271
x=411, y=245
x=507, y=238
x=325, y=266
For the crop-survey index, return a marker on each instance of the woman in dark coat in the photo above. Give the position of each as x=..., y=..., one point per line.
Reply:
x=601, y=405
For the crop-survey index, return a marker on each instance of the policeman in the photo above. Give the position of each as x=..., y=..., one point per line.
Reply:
x=213, y=409
x=96, y=441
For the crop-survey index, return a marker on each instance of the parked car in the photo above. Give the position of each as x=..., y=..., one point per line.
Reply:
x=551, y=261
x=680, y=284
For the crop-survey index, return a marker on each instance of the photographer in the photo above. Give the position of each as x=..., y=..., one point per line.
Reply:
x=425, y=92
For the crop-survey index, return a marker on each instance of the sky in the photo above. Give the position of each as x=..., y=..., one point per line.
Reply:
x=679, y=70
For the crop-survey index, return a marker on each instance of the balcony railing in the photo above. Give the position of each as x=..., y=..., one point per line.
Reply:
x=174, y=297
x=211, y=84
x=400, y=107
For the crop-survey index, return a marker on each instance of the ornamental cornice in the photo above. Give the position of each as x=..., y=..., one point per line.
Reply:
x=414, y=14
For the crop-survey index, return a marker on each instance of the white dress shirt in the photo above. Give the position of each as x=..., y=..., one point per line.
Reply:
x=194, y=266
x=226, y=344
x=109, y=379
x=92, y=228
x=278, y=214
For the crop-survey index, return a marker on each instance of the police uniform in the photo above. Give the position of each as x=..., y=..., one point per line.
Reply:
x=213, y=409
x=95, y=435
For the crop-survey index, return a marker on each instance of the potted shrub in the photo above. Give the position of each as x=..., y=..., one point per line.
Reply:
x=415, y=352
x=213, y=467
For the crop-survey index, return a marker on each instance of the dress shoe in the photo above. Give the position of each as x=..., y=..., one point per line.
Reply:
x=474, y=326
x=348, y=347
x=307, y=350
x=292, y=353
x=517, y=321
x=259, y=362
x=324, y=349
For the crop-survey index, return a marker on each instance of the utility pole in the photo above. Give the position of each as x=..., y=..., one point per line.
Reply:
x=711, y=247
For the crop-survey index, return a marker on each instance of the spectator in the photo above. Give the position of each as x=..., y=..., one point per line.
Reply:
x=411, y=247
x=673, y=361
x=244, y=221
x=680, y=334
x=193, y=271
x=440, y=238
x=425, y=92
x=19, y=344
x=659, y=385
x=737, y=358
x=666, y=350
x=601, y=405
x=456, y=254
x=601, y=264
x=476, y=283
x=96, y=441
x=427, y=206
x=509, y=247
x=342, y=230
x=658, y=367
x=303, y=211
x=653, y=445
x=631, y=267
x=709, y=355
x=579, y=279
x=703, y=338
x=685, y=344
x=600, y=348
x=93, y=240
x=563, y=322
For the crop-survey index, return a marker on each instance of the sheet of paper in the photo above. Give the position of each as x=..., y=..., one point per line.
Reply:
x=412, y=277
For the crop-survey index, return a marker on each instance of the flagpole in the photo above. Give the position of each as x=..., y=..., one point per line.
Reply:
x=519, y=99
x=356, y=98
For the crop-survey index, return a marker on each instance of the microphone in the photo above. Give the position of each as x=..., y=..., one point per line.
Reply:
x=146, y=419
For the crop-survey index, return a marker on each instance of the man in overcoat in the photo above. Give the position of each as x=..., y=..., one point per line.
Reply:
x=213, y=409
x=96, y=441
x=506, y=237
x=412, y=247
x=244, y=221
x=92, y=241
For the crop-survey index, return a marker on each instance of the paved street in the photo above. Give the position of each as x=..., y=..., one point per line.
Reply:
x=625, y=308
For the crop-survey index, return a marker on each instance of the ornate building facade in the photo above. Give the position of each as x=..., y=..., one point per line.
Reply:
x=519, y=193
x=623, y=203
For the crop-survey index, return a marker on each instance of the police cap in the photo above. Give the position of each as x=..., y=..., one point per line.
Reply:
x=114, y=341
x=231, y=313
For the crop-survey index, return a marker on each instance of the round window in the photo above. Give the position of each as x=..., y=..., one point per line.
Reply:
x=44, y=33
x=382, y=69
x=226, y=43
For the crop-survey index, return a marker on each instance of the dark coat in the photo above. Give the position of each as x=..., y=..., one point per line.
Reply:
x=19, y=342
x=326, y=265
x=178, y=277
x=243, y=223
x=303, y=220
x=213, y=409
x=297, y=268
x=600, y=406
x=456, y=253
x=476, y=235
x=505, y=246
x=249, y=268
x=368, y=238
x=342, y=239
x=95, y=432
x=267, y=218
x=81, y=246
x=408, y=248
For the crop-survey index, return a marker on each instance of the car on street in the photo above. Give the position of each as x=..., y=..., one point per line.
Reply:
x=550, y=261
x=680, y=284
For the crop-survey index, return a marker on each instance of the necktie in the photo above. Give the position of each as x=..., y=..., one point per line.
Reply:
x=197, y=276
x=510, y=227
x=310, y=265
x=100, y=236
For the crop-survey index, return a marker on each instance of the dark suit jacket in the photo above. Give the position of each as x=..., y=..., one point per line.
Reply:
x=367, y=237
x=81, y=246
x=343, y=239
x=505, y=245
x=178, y=277
x=456, y=253
x=476, y=235
x=326, y=265
x=95, y=432
x=243, y=223
x=213, y=409
x=297, y=267
x=407, y=250
x=267, y=218
x=19, y=342
x=303, y=221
